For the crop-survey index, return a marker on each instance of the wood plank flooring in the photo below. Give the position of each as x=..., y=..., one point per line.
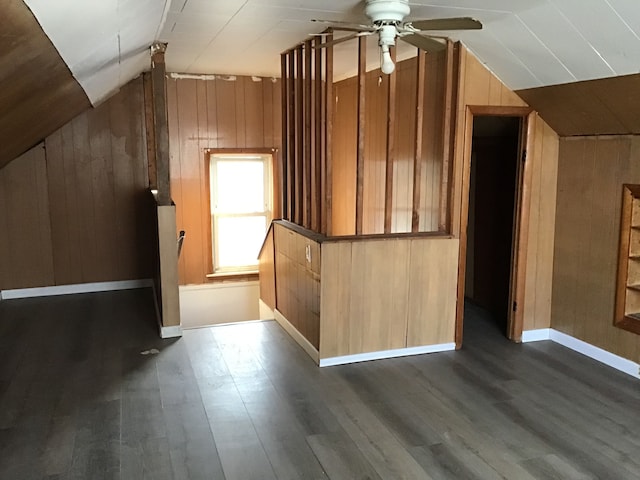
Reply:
x=84, y=395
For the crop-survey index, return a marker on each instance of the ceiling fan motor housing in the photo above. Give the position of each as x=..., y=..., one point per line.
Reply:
x=387, y=11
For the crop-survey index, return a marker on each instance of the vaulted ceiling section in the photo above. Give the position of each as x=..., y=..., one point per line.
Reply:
x=38, y=94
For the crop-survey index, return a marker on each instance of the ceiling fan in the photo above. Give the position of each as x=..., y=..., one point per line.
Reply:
x=388, y=21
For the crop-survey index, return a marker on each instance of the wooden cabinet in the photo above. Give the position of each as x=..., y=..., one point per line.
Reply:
x=627, y=315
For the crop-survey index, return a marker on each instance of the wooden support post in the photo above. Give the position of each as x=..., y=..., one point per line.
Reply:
x=327, y=218
x=316, y=184
x=291, y=171
x=390, y=154
x=150, y=131
x=284, y=191
x=362, y=76
x=161, y=128
x=417, y=151
x=299, y=106
x=444, y=215
x=307, y=170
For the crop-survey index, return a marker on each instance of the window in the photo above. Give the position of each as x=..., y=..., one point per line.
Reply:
x=241, y=199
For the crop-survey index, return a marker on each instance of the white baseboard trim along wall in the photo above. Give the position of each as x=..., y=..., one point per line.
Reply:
x=73, y=289
x=400, y=352
x=615, y=361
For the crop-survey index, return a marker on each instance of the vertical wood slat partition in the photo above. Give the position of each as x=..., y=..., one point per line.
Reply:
x=444, y=224
x=417, y=153
x=362, y=71
x=307, y=118
x=284, y=171
x=391, y=133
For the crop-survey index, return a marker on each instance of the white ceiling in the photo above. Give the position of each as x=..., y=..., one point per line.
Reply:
x=526, y=43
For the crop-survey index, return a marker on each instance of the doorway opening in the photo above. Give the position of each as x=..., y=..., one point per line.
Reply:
x=492, y=227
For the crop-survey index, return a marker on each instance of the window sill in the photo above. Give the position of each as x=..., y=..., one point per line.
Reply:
x=248, y=276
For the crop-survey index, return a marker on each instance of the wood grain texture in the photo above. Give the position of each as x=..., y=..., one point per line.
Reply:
x=243, y=401
x=592, y=107
x=591, y=171
x=298, y=281
x=477, y=87
x=203, y=114
x=33, y=105
x=267, y=272
x=84, y=196
x=379, y=294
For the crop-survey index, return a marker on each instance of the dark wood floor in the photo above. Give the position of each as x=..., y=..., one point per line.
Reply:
x=83, y=395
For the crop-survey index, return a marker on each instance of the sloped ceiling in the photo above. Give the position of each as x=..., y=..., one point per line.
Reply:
x=528, y=44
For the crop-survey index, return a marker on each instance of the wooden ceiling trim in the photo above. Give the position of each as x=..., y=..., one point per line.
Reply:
x=38, y=93
x=608, y=106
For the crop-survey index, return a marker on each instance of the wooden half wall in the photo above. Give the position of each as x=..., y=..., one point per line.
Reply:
x=76, y=209
x=225, y=112
x=591, y=173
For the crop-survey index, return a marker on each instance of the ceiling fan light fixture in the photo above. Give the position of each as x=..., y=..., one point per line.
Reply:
x=387, y=11
x=386, y=63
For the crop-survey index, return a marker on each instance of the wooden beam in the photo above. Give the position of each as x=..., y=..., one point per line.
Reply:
x=362, y=76
x=390, y=154
x=284, y=191
x=159, y=93
x=447, y=138
x=299, y=177
x=316, y=184
x=150, y=130
x=291, y=128
x=307, y=170
x=417, y=151
x=327, y=218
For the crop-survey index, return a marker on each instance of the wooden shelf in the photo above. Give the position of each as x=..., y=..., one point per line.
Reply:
x=628, y=281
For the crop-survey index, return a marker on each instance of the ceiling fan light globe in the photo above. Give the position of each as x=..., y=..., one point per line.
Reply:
x=386, y=65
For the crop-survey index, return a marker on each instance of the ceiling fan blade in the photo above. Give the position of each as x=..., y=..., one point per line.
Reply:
x=342, y=39
x=458, y=23
x=350, y=27
x=427, y=44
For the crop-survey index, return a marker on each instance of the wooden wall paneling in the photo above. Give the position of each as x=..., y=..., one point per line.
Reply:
x=391, y=142
x=344, y=145
x=377, y=90
x=226, y=112
x=431, y=176
x=360, y=128
x=203, y=143
x=191, y=179
x=253, y=124
x=239, y=84
x=84, y=193
x=334, y=299
x=102, y=182
x=328, y=122
x=417, y=152
x=432, y=291
x=25, y=238
x=404, y=147
x=318, y=119
x=267, y=271
x=175, y=165
x=448, y=113
x=307, y=140
x=300, y=147
x=61, y=202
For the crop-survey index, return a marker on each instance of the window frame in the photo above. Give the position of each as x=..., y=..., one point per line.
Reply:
x=269, y=156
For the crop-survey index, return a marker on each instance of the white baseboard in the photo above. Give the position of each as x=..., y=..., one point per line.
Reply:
x=73, y=289
x=297, y=336
x=622, y=364
x=173, y=331
x=399, y=352
x=536, y=335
